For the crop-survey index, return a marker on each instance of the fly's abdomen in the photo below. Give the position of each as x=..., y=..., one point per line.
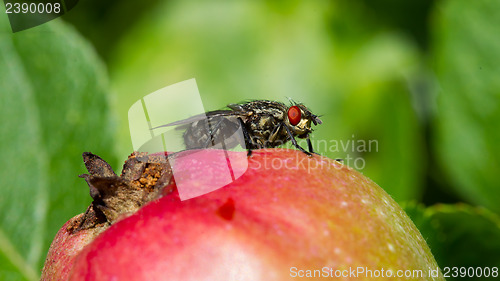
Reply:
x=214, y=132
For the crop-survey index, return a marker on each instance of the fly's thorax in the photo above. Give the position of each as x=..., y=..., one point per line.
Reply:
x=261, y=125
x=266, y=112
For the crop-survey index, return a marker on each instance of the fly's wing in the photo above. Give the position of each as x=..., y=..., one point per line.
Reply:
x=183, y=124
x=215, y=129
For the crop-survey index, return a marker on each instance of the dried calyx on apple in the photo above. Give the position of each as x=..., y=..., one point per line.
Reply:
x=289, y=215
x=142, y=180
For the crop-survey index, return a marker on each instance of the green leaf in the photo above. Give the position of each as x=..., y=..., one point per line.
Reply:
x=23, y=172
x=459, y=235
x=466, y=57
x=53, y=107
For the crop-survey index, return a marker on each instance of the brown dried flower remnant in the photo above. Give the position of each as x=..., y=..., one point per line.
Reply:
x=143, y=179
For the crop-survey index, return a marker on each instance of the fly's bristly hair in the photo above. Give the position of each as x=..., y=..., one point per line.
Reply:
x=264, y=124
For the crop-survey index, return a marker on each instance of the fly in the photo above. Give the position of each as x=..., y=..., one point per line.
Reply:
x=264, y=124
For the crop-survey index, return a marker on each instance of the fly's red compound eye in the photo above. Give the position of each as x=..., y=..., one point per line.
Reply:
x=294, y=115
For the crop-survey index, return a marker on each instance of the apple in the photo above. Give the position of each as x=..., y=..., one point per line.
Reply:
x=288, y=216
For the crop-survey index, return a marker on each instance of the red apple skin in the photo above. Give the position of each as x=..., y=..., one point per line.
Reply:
x=64, y=249
x=288, y=212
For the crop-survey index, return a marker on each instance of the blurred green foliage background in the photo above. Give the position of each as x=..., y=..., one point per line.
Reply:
x=421, y=78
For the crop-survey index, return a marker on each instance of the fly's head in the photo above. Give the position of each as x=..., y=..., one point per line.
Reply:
x=299, y=119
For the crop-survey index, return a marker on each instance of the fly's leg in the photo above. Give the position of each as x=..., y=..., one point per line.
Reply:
x=248, y=140
x=274, y=134
x=309, y=144
x=294, y=142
